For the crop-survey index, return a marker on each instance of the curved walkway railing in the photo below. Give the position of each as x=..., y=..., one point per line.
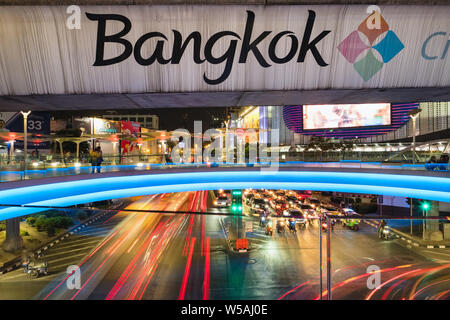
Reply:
x=8, y=174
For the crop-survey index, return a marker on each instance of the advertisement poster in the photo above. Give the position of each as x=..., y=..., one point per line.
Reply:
x=37, y=123
x=102, y=126
x=346, y=115
x=133, y=129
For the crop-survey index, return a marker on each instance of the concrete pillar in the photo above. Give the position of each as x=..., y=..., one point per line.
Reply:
x=61, y=151
x=431, y=227
x=446, y=231
x=13, y=240
x=78, y=151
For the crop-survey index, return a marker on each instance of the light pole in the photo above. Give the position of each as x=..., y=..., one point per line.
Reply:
x=414, y=114
x=25, y=136
x=425, y=207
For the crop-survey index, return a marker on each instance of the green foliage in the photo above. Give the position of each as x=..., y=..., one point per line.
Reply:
x=31, y=221
x=2, y=226
x=50, y=225
x=41, y=223
x=24, y=233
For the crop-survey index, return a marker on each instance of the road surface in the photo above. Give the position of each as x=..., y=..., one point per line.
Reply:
x=182, y=256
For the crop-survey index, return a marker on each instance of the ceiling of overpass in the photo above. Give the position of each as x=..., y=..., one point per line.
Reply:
x=219, y=99
x=221, y=2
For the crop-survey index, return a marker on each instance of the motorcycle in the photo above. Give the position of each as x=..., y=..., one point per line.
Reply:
x=280, y=227
x=292, y=226
x=324, y=225
x=34, y=271
x=262, y=221
x=384, y=234
x=269, y=228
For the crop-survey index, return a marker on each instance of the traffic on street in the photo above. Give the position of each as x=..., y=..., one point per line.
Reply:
x=184, y=246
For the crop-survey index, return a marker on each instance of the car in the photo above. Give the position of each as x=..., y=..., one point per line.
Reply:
x=331, y=210
x=298, y=215
x=314, y=202
x=248, y=198
x=304, y=194
x=279, y=194
x=258, y=204
x=266, y=196
x=292, y=200
x=308, y=210
x=279, y=206
x=222, y=202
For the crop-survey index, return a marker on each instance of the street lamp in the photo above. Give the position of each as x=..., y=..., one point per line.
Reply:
x=414, y=114
x=25, y=138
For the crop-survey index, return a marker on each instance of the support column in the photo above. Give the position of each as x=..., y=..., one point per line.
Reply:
x=13, y=240
x=78, y=151
x=431, y=227
x=11, y=154
x=61, y=151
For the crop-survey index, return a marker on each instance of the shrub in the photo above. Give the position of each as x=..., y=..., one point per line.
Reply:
x=31, y=221
x=51, y=224
x=2, y=226
x=51, y=231
x=24, y=233
x=41, y=223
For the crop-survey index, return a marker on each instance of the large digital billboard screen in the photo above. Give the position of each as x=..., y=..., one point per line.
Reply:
x=332, y=116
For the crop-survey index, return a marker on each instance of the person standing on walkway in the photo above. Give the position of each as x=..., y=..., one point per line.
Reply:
x=94, y=155
x=99, y=159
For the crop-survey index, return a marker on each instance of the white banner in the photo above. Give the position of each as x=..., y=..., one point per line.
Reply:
x=60, y=50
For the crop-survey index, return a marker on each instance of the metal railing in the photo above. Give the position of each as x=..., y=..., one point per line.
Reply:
x=44, y=166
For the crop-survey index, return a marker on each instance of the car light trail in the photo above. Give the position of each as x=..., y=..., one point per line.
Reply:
x=207, y=269
x=370, y=295
x=293, y=290
x=343, y=283
x=117, y=285
x=431, y=271
x=428, y=286
x=187, y=271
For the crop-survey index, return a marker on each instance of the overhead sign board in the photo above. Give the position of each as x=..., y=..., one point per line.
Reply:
x=133, y=49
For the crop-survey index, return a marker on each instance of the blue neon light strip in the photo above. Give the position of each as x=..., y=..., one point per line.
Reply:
x=96, y=189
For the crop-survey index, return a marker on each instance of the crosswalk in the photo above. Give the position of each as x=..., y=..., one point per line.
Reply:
x=72, y=249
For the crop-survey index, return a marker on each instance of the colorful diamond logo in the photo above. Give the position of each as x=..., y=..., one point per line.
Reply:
x=353, y=47
x=368, y=66
x=389, y=47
